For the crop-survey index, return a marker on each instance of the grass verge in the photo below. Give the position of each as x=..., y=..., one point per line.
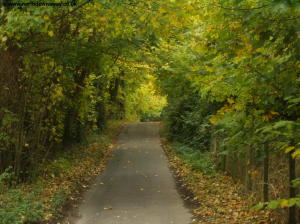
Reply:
x=61, y=182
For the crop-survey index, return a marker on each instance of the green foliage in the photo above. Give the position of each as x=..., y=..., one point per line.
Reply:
x=66, y=73
x=7, y=179
x=196, y=159
x=61, y=164
x=7, y=122
x=145, y=103
x=57, y=202
x=234, y=73
x=187, y=120
x=279, y=203
x=150, y=116
x=227, y=68
x=17, y=208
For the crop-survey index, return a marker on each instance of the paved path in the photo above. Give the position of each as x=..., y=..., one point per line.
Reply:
x=137, y=186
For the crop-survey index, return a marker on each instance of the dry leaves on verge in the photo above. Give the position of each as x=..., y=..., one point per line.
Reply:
x=72, y=181
x=217, y=197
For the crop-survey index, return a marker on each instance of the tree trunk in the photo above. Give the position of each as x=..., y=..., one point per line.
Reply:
x=266, y=173
x=292, y=190
x=250, y=168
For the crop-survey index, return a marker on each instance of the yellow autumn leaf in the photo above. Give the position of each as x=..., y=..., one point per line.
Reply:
x=266, y=117
x=143, y=17
x=213, y=120
x=230, y=100
x=249, y=47
x=235, y=25
x=161, y=10
x=288, y=149
x=209, y=69
x=284, y=203
x=215, y=35
x=4, y=39
x=239, y=52
x=58, y=92
x=209, y=28
x=296, y=153
x=50, y=33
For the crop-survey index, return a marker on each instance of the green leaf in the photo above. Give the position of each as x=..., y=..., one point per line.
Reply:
x=259, y=206
x=273, y=204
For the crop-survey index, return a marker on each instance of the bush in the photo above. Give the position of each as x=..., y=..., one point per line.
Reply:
x=195, y=158
x=59, y=166
x=150, y=116
x=187, y=120
x=7, y=179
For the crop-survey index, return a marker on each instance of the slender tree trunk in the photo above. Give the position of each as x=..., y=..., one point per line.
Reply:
x=250, y=167
x=224, y=163
x=266, y=173
x=292, y=190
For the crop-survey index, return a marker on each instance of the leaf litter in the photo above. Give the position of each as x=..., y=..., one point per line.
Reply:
x=217, y=199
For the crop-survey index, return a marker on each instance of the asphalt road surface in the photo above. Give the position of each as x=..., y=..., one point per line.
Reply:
x=137, y=187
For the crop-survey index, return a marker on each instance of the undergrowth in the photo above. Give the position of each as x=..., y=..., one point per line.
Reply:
x=59, y=181
x=216, y=195
x=195, y=159
x=17, y=207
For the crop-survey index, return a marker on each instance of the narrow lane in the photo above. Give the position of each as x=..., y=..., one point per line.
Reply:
x=137, y=186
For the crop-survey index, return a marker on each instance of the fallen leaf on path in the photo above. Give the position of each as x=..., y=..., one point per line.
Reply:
x=107, y=208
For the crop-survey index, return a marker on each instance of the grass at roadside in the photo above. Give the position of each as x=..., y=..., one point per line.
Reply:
x=217, y=196
x=60, y=183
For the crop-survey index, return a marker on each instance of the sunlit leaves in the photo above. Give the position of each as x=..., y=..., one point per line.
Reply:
x=242, y=54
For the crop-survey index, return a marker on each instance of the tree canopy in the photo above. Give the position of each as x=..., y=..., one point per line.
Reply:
x=225, y=68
